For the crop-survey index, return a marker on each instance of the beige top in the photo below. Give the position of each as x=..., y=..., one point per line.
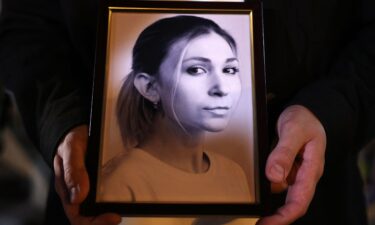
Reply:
x=189, y=221
x=140, y=177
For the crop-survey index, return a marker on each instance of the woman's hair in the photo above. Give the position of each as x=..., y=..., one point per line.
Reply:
x=135, y=114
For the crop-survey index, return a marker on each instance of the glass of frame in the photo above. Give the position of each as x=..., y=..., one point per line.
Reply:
x=178, y=112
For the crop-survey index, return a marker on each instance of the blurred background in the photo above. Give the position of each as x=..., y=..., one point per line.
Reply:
x=24, y=176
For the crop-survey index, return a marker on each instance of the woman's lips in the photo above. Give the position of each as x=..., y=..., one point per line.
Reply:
x=218, y=110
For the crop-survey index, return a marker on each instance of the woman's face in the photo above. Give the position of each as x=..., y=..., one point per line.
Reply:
x=202, y=93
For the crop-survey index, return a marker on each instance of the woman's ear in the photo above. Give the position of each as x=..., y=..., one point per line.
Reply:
x=147, y=87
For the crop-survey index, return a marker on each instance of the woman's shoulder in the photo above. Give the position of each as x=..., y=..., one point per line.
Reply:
x=125, y=165
x=230, y=173
x=221, y=160
x=223, y=164
x=122, y=176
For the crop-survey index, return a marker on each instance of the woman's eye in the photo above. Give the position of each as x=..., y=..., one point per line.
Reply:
x=231, y=70
x=196, y=70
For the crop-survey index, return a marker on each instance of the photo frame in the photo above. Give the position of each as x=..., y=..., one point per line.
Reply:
x=204, y=147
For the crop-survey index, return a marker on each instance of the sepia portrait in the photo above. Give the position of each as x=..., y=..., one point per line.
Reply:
x=178, y=119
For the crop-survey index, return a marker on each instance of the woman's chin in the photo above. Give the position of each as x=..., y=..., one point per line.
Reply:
x=216, y=126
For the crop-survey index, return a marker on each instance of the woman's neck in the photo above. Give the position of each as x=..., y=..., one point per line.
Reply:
x=174, y=146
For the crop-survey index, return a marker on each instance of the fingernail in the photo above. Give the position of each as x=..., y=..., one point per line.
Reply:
x=74, y=194
x=277, y=172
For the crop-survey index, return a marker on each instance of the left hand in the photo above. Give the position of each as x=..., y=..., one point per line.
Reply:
x=296, y=163
x=72, y=181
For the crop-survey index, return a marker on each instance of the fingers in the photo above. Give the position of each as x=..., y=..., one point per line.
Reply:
x=72, y=152
x=296, y=127
x=59, y=180
x=284, y=216
x=72, y=210
x=280, y=163
x=296, y=163
x=281, y=159
x=299, y=195
x=71, y=179
x=60, y=186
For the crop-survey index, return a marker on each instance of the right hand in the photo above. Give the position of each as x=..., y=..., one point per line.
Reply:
x=72, y=181
x=296, y=163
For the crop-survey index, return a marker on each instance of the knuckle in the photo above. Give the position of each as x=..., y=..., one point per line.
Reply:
x=73, y=176
x=74, y=144
x=288, y=125
x=69, y=178
x=293, y=127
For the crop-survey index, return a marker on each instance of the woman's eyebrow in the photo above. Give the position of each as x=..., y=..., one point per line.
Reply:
x=197, y=58
x=207, y=60
x=231, y=60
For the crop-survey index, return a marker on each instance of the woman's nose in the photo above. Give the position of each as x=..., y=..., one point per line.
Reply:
x=217, y=86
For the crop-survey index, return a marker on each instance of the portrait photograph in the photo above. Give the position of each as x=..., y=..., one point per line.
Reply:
x=178, y=118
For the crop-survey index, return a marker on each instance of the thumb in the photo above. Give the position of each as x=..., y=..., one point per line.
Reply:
x=72, y=152
x=280, y=163
x=281, y=160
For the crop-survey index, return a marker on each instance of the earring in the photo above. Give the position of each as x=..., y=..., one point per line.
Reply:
x=155, y=105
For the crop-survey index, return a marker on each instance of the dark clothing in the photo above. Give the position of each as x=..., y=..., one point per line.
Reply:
x=319, y=53
x=46, y=60
x=324, y=51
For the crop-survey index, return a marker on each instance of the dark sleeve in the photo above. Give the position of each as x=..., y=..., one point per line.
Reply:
x=80, y=19
x=46, y=71
x=344, y=101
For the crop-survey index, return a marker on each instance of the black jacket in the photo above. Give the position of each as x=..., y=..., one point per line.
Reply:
x=319, y=53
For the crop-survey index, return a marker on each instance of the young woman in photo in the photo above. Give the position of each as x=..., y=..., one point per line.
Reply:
x=184, y=82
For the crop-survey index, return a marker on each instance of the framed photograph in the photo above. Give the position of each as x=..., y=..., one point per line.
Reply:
x=178, y=121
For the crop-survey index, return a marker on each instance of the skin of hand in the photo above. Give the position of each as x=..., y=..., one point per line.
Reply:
x=296, y=163
x=72, y=181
